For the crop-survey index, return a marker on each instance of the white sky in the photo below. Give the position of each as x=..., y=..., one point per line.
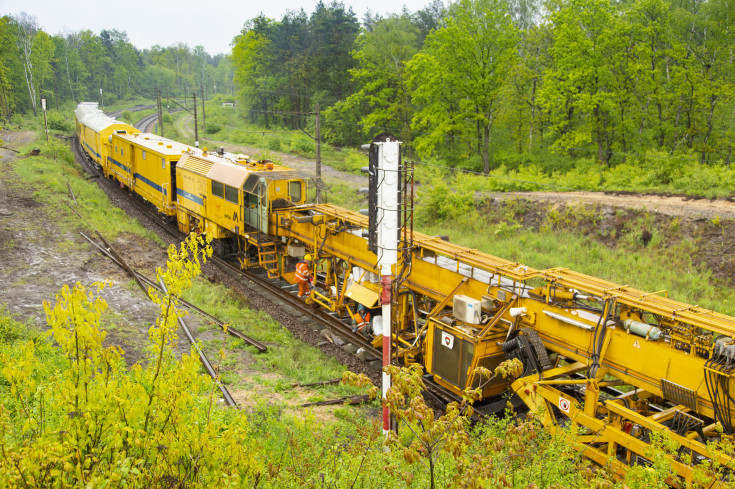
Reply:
x=210, y=23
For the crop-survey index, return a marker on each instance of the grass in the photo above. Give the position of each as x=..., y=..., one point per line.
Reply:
x=286, y=355
x=662, y=265
x=228, y=125
x=50, y=175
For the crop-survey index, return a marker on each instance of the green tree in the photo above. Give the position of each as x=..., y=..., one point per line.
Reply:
x=382, y=101
x=8, y=56
x=458, y=76
x=583, y=89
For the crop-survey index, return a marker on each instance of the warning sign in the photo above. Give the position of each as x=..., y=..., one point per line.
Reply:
x=564, y=404
x=447, y=340
x=636, y=344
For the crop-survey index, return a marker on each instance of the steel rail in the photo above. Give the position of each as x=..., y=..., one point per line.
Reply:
x=230, y=330
x=336, y=325
x=203, y=358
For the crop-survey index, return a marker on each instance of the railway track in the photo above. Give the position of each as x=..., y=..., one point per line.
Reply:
x=276, y=289
x=146, y=122
x=117, y=113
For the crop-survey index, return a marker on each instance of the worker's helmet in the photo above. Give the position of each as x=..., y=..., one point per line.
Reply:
x=307, y=257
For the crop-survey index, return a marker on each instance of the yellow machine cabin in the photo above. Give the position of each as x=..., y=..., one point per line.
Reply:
x=232, y=197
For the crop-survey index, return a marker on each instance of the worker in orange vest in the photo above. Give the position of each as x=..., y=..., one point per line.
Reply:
x=362, y=316
x=303, y=276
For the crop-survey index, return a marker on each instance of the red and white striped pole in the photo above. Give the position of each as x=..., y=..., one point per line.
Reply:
x=388, y=186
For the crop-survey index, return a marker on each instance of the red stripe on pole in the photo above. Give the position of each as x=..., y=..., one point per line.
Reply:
x=386, y=362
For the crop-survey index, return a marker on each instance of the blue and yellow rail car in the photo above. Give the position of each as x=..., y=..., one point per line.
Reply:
x=146, y=163
x=94, y=130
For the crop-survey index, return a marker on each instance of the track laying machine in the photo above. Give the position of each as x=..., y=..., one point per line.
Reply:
x=617, y=362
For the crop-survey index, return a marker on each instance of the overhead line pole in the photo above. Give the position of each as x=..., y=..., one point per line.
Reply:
x=317, y=136
x=196, y=126
x=204, y=118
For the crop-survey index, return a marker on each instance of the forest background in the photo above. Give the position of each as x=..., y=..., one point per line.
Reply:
x=591, y=94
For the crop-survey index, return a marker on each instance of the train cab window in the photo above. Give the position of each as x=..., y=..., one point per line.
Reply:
x=143, y=154
x=231, y=194
x=116, y=148
x=163, y=162
x=218, y=189
x=294, y=191
x=122, y=151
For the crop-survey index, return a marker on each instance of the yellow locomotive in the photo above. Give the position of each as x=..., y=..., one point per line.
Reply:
x=617, y=362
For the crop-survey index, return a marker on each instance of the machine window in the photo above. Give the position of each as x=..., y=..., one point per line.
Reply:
x=143, y=154
x=294, y=191
x=163, y=162
x=218, y=189
x=122, y=151
x=230, y=194
x=116, y=148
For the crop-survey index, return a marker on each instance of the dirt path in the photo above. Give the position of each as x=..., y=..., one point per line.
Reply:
x=667, y=205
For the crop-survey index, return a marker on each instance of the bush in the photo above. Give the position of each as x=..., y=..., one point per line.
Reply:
x=58, y=122
x=167, y=119
x=127, y=116
x=213, y=128
x=441, y=202
x=274, y=144
x=59, y=151
x=10, y=329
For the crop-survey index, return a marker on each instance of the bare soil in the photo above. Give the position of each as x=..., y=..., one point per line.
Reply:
x=669, y=205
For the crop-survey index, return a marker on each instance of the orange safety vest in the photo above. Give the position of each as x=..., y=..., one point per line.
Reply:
x=362, y=320
x=302, y=271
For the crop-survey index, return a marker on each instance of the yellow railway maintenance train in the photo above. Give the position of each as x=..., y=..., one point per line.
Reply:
x=617, y=362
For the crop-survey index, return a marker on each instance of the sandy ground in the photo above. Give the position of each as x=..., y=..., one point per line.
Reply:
x=666, y=205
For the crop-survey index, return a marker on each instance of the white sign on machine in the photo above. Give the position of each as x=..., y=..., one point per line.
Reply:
x=447, y=340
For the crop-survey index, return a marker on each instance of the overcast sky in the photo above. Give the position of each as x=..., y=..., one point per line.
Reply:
x=210, y=23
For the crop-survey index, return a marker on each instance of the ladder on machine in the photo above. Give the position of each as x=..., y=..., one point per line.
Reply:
x=268, y=258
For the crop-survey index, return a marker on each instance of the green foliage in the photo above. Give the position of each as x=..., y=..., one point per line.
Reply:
x=10, y=329
x=93, y=423
x=58, y=122
x=127, y=116
x=439, y=201
x=478, y=43
x=213, y=128
x=59, y=151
